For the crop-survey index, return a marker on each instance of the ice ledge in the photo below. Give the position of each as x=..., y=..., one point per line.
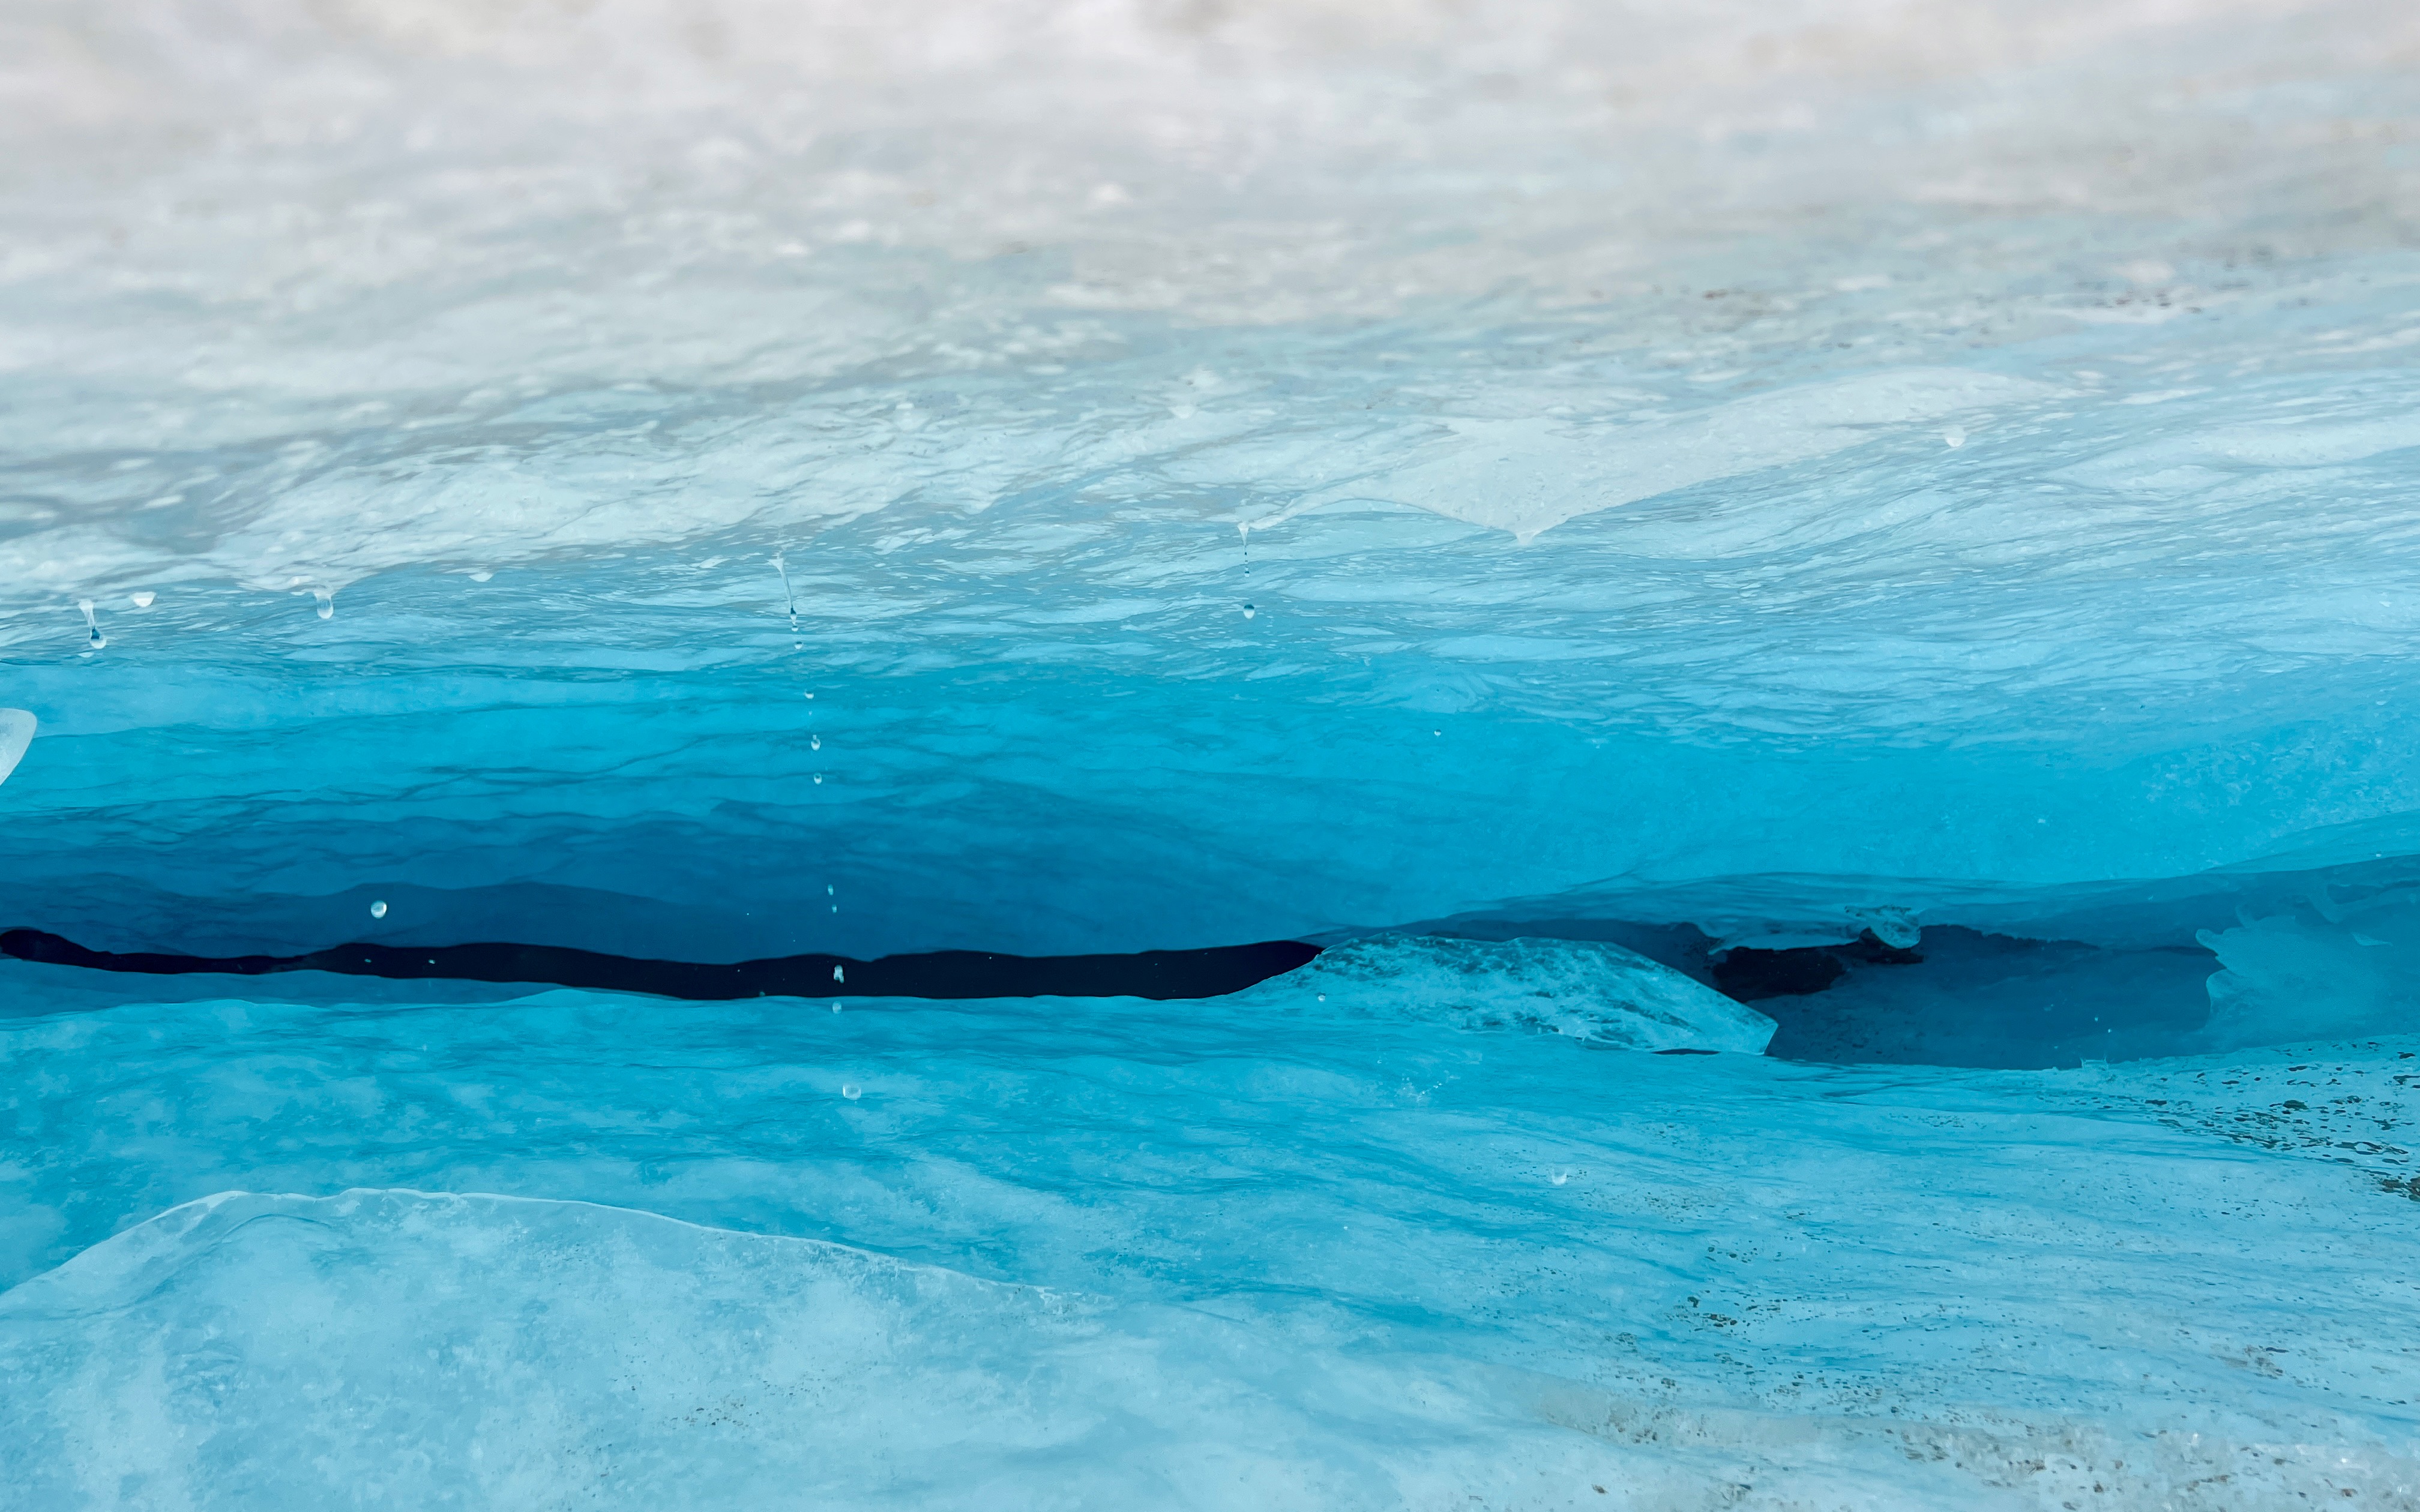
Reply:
x=1588, y=989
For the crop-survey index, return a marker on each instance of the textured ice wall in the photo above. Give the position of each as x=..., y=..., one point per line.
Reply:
x=1236, y=472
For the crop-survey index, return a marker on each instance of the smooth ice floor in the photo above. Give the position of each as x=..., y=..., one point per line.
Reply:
x=572, y=1249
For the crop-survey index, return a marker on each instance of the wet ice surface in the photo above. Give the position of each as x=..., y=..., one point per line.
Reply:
x=1180, y=1255
x=1919, y=484
x=1923, y=445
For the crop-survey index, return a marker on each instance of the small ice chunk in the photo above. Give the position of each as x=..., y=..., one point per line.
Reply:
x=16, y=734
x=1894, y=926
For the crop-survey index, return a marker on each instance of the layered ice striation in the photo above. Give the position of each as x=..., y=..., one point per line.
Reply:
x=1876, y=534
x=1290, y=471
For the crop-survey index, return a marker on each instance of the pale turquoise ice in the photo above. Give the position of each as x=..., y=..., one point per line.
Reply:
x=1060, y=1253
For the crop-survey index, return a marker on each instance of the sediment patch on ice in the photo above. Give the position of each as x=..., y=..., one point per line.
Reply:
x=410, y=1348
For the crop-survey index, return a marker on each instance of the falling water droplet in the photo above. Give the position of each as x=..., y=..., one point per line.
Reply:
x=835, y=1007
x=851, y=1090
x=819, y=779
x=789, y=599
x=327, y=602
x=377, y=909
x=92, y=624
x=829, y=890
x=814, y=742
x=811, y=698
x=1954, y=436
x=1561, y=1177
x=1249, y=612
x=838, y=975
x=141, y=600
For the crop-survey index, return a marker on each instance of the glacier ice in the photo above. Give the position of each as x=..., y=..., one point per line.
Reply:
x=1591, y=990
x=1162, y=1255
x=1876, y=534
x=17, y=729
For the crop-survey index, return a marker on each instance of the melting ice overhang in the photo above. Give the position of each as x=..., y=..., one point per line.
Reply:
x=1499, y=490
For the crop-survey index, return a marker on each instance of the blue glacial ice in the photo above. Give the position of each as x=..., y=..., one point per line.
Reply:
x=1814, y=604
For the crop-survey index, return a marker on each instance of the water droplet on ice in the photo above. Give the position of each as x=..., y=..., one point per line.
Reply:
x=851, y=1090
x=838, y=975
x=1954, y=436
x=1561, y=1177
x=377, y=909
x=141, y=600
